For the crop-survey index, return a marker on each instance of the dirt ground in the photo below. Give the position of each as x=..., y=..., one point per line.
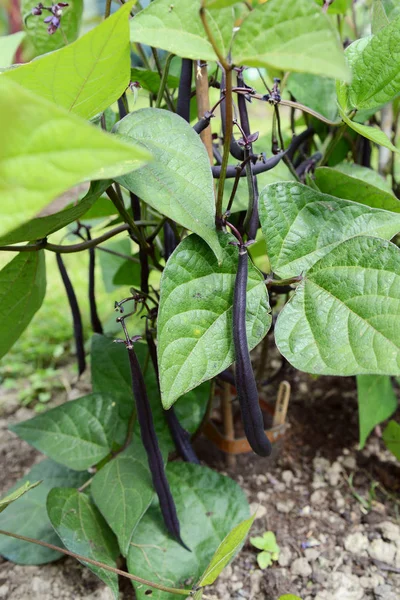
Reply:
x=334, y=509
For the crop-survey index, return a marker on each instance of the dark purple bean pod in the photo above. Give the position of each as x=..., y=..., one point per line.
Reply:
x=179, y=435
x=94, y=316
x=244, y=377
x=170, y=241
x=76, y=314
x=150, y=443
x=185, y=88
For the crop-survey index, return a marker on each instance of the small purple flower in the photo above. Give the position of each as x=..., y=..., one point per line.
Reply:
x=56, y=11
x=37, y=10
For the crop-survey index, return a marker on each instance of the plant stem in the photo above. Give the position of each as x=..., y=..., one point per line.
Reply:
x=168, y=98
x=227, y=142
x=96, y=563
x=203, y=107
x=107, y=9
x=119, y=205
x=164, y=79
x=211, y=39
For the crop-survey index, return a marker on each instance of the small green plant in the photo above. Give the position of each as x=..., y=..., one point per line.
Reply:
x=270, y=550
x=289, y=597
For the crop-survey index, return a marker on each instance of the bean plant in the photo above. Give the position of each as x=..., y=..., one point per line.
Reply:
x=241, y=157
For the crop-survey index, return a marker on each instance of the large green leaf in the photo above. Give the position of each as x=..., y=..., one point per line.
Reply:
x=358, y=189
x=300, y=38
x=83, y=530
x=8, y=47
x=376, y=402
x=111, y=375
x=301, y=225
x=391, y=437
x=13, y=496
x=365, y=174
x=123, y=491
x=179, y=182
x=314, y=91
x=343, y=318
x=45, y=151
x=87, y=76
x=177, y=27
x=77, y=434
x=379, y=16
x=208, y=506
x=22, y=290
x=40, y=227
x=375, y=68
x=36, y=29
x=29, y=517
x=226, y=551
x=371, y=133
x=195, y=315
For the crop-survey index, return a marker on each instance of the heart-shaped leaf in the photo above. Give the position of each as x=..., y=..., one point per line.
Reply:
x=195, y=340
x=343, y=318
x=301, y=225
x=178, y=183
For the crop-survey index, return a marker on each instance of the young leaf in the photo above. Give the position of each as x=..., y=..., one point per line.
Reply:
x=36, y=29
x=376, y=69
x=176, y=27
x=86, y=76
x=343, y=318
x=29, y=517
x=83, y=530
x=77, y=434
x=111, y=375
x=179, y=182
x=45, y=151
x=40, y=227
x=301, y=225
x=289, y=597
x=266, y=542
x=8, y=46
x=208, y=505
x=123, y=491
x=13, y=496
x=226, y=551
x=264, y=559
x=371, y=133
x=195, y=317
x=376, y=402
x=358, y=189
x=300, y=38
x=391, y=437
x=22, y=290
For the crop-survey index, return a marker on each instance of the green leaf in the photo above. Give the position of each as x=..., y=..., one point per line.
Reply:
x=111, y=375
x=365, y=174
x=127, y=274
x=123, y=491
x=22, y=290
x=264, y=559
x=40, y=227
x=266, y=542
x=289, y=597
x=371, y=133
x=300, y=38
x=45, y=151
x=226, y=551
x=150, y=80
x=391, y=437
x=301, y=225
x=220, y=3
x=8, y=46
x=179, y=182
x=343, y=318
x=77, y=434
x=357, y=189
x=10, y=498
x=36, y=29
x=379, y=16
x=83, y=530
x=87, y=76
x=195, y=316
x=337, y=7
x=110, y=263
x=29, y=516
x=376, y=402
x=176, y=26
x=375, y=68
x=208, y=505
x=319, y=93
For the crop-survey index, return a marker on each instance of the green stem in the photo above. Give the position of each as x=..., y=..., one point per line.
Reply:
x=107, y=9
x=119, y=205
x=336, y=137
x=168, y=98
x=96, y=563
x=164, y=78
x=212, y=41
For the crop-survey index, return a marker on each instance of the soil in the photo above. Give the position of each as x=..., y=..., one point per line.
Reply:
x=334, y=508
